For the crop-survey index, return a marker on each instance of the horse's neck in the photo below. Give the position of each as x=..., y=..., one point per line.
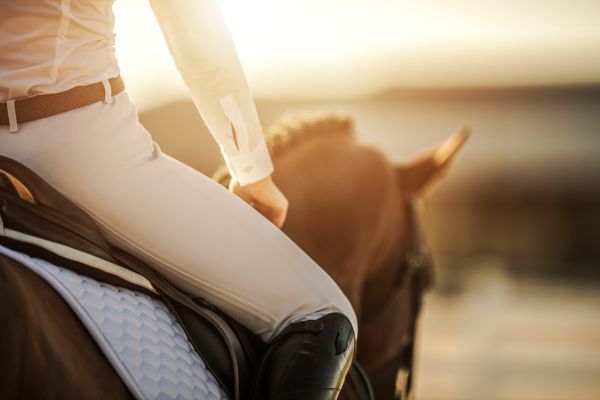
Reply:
x=344, y=210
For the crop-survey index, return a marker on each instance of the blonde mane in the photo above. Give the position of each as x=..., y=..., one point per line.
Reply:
x=295, y=130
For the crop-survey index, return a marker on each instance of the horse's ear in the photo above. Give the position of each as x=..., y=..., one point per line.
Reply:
x=417, y=175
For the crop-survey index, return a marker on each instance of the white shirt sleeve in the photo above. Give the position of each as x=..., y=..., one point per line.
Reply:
x=205, y=55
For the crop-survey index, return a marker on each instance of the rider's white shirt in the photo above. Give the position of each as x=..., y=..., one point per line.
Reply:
x=54, y=45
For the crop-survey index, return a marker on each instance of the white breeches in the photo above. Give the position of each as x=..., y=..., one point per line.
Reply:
x=205, y=239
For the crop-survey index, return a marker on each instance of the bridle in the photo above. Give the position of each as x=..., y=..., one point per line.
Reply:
x=403, y=304
x=418, y=271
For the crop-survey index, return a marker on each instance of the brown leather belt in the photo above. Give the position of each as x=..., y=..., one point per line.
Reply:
x=45, y=105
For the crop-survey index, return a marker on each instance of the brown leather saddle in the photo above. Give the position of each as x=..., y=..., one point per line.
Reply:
x=30, y=206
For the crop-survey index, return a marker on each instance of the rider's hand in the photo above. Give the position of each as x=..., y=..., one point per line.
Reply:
x=265, y=197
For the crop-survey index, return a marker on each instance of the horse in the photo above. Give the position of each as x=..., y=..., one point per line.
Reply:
x=48, y=353
x=353, y=212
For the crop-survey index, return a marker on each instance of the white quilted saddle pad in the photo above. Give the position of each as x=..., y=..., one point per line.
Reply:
x=138, y=334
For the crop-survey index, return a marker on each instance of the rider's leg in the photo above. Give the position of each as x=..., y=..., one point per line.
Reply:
x=205, y=239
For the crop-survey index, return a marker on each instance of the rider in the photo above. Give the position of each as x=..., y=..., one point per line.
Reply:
x=64, y=115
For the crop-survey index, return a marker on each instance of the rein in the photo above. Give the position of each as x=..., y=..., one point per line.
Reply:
x=404, y=301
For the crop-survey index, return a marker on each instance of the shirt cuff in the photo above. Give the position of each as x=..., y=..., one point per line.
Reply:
x=250, y=167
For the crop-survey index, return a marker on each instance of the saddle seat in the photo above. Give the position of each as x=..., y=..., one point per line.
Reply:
x=32, y=214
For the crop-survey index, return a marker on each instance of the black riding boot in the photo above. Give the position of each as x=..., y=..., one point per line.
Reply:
x=308, y=360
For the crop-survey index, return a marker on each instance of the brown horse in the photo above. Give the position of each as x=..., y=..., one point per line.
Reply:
x=351, y=211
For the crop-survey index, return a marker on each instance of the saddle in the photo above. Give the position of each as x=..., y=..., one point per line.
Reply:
x=30, y=208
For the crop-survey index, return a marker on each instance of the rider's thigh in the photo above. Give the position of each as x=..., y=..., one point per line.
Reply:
x=204, y=238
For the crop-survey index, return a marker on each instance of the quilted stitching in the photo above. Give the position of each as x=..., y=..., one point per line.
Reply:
x=145, y=336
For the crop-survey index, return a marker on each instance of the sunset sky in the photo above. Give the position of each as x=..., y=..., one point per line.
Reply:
x=350, y=48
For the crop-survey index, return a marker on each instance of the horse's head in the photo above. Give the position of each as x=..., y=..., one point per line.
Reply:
x=403, y=240
x=352, y=211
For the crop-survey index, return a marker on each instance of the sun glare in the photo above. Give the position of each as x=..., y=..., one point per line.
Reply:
x=345, y=48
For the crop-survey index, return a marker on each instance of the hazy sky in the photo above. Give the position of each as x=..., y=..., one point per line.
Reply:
x=349, y=48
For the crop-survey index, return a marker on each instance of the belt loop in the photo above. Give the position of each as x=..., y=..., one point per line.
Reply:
x=107, y=92
x=13, y=125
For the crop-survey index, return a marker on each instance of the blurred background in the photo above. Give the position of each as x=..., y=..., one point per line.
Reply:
x=514, y=228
